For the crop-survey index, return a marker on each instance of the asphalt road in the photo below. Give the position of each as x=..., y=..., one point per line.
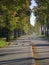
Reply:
x=18, y=53
x=26, y=50
x=41, y=51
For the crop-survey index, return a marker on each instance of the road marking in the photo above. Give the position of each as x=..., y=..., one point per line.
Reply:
x=35, y=55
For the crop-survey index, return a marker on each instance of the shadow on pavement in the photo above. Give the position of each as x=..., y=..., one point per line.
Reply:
x=21, y=61
x=44, y=58
x=41, y=44
x=4, y=54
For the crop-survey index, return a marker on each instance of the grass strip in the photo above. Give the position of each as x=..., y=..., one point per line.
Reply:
x=2, y=43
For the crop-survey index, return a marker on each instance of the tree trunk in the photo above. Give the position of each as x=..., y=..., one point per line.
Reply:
x=42, y=30
x=47, y=31
x=47, y=25
x=7, y=35
x=15, y=33
x=18, y=32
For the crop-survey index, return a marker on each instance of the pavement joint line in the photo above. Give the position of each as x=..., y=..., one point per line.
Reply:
x=35, y=55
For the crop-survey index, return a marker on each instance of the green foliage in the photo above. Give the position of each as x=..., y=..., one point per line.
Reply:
x=41, y=11
x=10, y=8
x=2, y=43
x=14, y=14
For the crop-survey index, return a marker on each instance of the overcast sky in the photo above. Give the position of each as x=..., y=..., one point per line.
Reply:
x=32, y=17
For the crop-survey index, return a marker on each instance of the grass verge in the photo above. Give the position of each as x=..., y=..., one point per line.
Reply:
x=3, y=43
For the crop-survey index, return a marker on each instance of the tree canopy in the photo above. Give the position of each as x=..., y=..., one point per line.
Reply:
x=41, y=11
x=12, y=10
x=14, y=14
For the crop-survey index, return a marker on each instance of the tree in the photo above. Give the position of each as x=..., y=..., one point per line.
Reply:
x=41, y=11
x=9, y=11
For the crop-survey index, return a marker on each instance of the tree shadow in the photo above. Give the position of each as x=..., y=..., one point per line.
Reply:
x=41, y=44
x=44, y=58
x=20, y=61
x=11, y=53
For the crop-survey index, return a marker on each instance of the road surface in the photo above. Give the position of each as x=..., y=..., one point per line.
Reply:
x=41, y=51
x=18, y=53
x=26, y=50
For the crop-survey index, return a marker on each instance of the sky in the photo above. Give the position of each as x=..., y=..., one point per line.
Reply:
x=32, y=17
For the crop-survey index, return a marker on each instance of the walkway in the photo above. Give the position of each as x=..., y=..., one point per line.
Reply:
x=26, y=50
x=41, y=51
x=18, y=53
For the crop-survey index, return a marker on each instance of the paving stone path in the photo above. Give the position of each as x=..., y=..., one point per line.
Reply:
x=18, y=53
x=41, y=51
